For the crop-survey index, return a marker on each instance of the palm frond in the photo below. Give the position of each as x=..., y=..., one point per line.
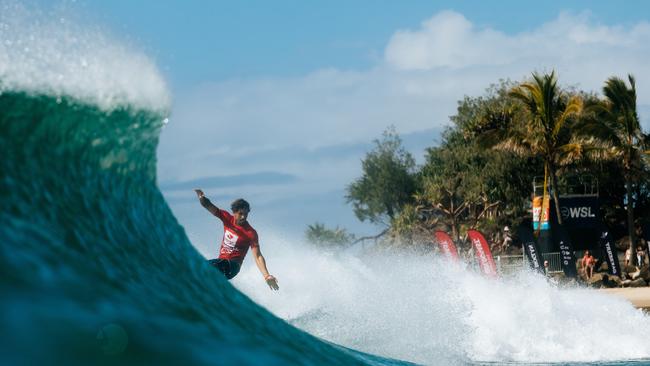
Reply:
x=574, y=107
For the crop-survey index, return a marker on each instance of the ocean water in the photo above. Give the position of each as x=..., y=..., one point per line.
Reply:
x=95, y=268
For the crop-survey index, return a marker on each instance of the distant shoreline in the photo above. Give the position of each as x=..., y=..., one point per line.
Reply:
x=638, y=296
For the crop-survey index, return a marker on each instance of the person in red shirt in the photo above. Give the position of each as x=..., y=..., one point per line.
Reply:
x=238, y=236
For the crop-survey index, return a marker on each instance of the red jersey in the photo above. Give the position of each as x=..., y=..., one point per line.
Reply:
x=236, y=239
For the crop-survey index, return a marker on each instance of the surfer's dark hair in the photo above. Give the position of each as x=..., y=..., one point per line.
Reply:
x=240, y=204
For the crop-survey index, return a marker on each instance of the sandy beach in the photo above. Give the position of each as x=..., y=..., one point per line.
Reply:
x=638, y=296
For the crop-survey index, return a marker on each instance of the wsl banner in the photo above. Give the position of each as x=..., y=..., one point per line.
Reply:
x=580, y=212
x=566, y=251
x=609, y=250
x=533, y=254
x=483, y=254
x=446, y=245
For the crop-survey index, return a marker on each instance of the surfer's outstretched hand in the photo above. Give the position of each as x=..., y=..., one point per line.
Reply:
x=199, y=193
x=272, y=282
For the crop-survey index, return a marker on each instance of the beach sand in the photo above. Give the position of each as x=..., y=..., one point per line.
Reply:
x=638, y=296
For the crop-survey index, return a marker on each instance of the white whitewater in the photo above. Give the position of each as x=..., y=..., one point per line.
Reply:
x=54, y=54
x=422, y=309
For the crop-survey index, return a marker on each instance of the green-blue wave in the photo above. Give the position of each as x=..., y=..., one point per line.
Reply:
x=95, y=269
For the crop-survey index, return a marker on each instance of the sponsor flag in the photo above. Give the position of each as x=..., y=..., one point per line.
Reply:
x=609, y=250
x=533, y=254
x=446, y=245
x=482, y=252
x=566, y=251
x=541, y=214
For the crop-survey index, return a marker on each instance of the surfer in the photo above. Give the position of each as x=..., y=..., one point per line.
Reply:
x=238, y=236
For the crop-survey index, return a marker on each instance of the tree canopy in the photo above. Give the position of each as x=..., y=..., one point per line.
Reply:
x=321, y=236
x=480, y=175
x=387, y=182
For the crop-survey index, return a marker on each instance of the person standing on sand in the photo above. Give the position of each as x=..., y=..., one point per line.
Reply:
x=238, y=236
x=588, y=262
x=507, y=240
x=640, y=256
x=547, y=269
x=628, y=255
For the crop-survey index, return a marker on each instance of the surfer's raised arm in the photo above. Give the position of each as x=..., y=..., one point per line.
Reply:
x=205, y=202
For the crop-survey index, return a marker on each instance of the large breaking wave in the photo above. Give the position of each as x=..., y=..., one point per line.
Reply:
x=95, y=269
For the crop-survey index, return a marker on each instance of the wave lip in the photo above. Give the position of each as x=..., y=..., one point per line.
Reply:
x=49, y=54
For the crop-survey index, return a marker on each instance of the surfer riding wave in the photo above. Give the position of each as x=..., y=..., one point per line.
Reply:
x=238, y=236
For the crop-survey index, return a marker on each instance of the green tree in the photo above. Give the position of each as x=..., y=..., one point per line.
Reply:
x=617, y=125
x=483, y=122
x=464, y=185
x=448, y=183
x=321, y=236
x=546, y=133
x=469, y=185
x=486, y=117
x=387, y=182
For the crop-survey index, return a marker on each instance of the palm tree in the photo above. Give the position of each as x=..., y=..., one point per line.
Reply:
x=617, y=125
x=545, y=132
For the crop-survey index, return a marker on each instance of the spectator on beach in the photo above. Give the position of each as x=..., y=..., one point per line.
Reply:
x=587, y=264
x=628, y=256
x=640, y=256
x=507, y=240
x=547, y=270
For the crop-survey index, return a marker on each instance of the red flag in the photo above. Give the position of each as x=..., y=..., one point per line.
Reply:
x=447, y=246
x=483, y=254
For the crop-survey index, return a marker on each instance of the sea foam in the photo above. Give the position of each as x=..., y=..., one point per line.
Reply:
x=54, y=55
x=421, y=308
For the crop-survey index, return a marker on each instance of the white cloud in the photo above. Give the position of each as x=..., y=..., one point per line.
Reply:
x=448, y=39
x=583, y=52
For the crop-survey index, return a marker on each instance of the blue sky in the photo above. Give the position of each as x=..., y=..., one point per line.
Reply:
x=194, y=41
x=278, y=101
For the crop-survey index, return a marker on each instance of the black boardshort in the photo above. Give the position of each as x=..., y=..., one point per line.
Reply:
x=227, y=267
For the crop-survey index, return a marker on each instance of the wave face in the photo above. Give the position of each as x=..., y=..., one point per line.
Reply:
x=94, y=268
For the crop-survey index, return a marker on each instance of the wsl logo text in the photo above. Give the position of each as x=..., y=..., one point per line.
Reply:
x=576, y=212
